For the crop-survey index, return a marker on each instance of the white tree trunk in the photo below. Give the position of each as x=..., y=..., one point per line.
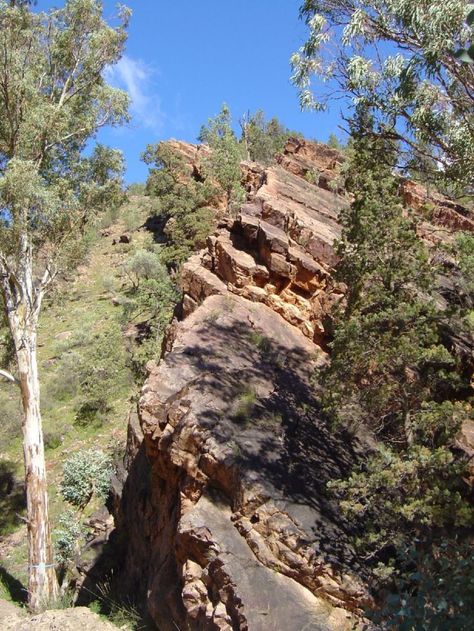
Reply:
x=22, y=304
x=42, y=581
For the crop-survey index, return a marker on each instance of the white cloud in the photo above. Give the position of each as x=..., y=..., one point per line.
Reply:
x=136, y=78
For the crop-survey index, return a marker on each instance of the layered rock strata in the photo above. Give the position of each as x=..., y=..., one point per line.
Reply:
x=278, y=251
x=225, y=513
x=236, y=530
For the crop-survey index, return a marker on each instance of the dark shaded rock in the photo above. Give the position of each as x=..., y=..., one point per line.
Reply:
x=234, y=494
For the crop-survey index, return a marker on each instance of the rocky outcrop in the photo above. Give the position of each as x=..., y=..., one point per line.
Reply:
x=440, y=210
x=278, y=251
x=237, y=532
x=225, y=512
x=227, y=527
x=313, y=161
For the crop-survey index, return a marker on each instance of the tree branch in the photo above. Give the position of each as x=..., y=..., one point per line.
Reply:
x=9, y=376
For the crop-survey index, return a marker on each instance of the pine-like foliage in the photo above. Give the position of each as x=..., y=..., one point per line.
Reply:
x=387, y=359
x=181, y=201
x=389, y=373
x=263, y=139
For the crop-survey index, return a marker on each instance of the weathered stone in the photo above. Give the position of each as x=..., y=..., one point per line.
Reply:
x=199, y=282
x=236, y=266
x=212, y=474
x=225, y=512
x=249, y=225
x=441, y=211
x=272, y=239
x=253, y=177
x=314, y=161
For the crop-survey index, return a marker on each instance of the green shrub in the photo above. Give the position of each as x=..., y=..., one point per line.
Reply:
x=109, y=217
x=334, y=142
x=10, y=416
x=273, y=419
x=132, y=218
x=52, y=440
x=145, y=351
x=222, y=165
x=77, y=340
x=143, y=265
x=181, y=201
x=261, y=341
x=464, y=251
x=109, y=284
x=103, y=373
x=12, y=498
x=263, y=139
x=137, y=188
x=312, y=176
x=85, y=474
x=67, y=536
x=435, y=593
x=122, y=613
x=65, y=383
x=91, y=412
x=245, y=405
x=153, y=302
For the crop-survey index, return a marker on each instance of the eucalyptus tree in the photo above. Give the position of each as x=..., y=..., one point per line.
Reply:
x=222, y=166
x=263, y=139
x=405, y=60
x=53, y=99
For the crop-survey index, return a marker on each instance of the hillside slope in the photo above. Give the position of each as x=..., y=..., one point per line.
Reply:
x=80, y=328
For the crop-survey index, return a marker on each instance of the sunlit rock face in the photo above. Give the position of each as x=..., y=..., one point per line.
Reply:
x=225, y=513
x=279, y=248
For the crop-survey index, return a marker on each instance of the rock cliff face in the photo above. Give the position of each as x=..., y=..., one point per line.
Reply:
x=225, y=511
x=279, y=250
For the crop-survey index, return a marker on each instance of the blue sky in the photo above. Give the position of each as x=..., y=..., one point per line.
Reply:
x=184, y=59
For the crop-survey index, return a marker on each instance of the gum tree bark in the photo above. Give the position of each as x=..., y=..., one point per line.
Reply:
x=22, y=303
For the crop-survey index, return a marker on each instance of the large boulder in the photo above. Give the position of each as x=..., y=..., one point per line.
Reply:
x=237, y=531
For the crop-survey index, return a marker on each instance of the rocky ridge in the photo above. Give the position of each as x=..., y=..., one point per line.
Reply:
x=279, y=250
x=225, y=513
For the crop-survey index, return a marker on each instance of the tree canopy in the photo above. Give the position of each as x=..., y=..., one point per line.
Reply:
x=398, y=57
x=263, y=139
x=391, y=375
x=54, y=99
x=222, y=166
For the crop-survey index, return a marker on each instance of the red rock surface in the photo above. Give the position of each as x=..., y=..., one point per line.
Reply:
x=227, y=519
